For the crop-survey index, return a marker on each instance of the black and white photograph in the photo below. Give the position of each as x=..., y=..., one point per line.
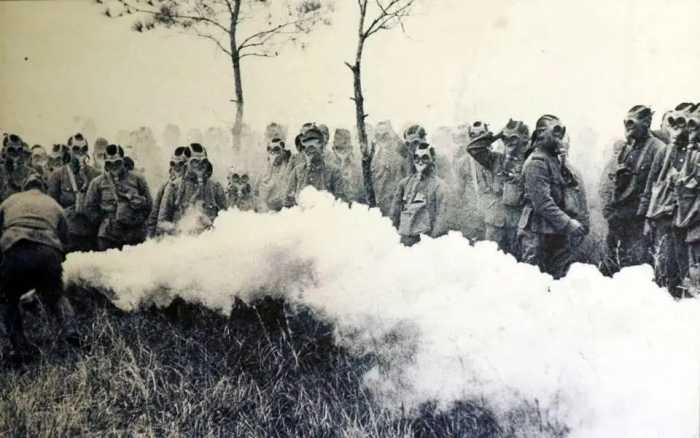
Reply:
x=350, y=218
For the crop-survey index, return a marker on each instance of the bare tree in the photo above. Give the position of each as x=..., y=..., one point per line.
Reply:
x=233, y=26
x=387, y=14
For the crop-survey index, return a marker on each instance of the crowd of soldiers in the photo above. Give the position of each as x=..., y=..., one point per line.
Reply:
x=513, y=187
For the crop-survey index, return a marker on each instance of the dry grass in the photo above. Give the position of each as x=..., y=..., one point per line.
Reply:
x=190, y=372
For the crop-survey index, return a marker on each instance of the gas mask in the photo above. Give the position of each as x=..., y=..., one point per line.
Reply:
x=342, y=152
x=694, y=127
x=514, y=142
x=274, y=155
x=197, y=167
x=422, y=160
x=114, y=167
x=39, y=161
x=312, y=151
x=678, y=128
x=636, y=129
x=551, y=136
x=15, y=152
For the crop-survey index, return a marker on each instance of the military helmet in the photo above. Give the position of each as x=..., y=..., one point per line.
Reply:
x=114, y=153
x=181, y=154
x=477, y=129
x=414, y=133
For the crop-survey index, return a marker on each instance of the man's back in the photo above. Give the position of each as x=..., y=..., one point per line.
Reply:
x=33, y=216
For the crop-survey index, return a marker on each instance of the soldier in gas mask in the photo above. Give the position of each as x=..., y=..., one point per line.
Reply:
x=342, y=157
x=196, y=189
x=502, y=194
x=545, y=228
x=120, y=202
x=57, y=157
x=314, y=170
x=16, y=167
x=660, y=202
x=239, y=193
x=688, y=192
x=388, y=165
x=98, y=153
x=68, y=185
x=178, y=165
x=623, y=187
x=271, y=189
x=39, y=161
x=471, y=181
x=420, y=201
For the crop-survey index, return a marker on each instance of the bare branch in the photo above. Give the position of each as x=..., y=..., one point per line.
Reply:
x=214, y=39
x=261, y=55
x=265, y=35
x=392, y=13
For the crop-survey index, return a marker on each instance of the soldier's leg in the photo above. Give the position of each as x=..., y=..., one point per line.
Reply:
x=50, y=288
x=559, y=254
x=633, y=243
x=530, y=247
x=661, y=230
x=13, y=284
x=496, y=234
x=680, y=261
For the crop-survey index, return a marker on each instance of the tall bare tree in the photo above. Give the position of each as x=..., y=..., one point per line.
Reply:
x=375, y=16
x=233, y=26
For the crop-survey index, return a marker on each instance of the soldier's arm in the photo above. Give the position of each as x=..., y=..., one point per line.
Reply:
x=397, y=203
x=341, y=189
x=220, y=197
x=538, y=189
x=585, y=218
x=62, y=230
x=656, y=168
x=53, y=186
x=145, y=191
x=167, y=205
x=440, y=225
x=93, y=208
x=290, y=198
x=153, y=216
x=480, y=150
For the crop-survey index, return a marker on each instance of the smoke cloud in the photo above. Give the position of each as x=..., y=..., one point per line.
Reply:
x=607, y=356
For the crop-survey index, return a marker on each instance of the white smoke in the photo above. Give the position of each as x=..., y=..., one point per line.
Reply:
x=608, y=357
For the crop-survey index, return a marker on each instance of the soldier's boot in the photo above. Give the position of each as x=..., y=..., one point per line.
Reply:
x=64, y=314
x=22, y=349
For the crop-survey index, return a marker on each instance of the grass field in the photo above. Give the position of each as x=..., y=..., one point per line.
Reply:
x=186, y=371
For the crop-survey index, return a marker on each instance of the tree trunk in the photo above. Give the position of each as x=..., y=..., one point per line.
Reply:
x=238, y=86
x=367, y=151
x=237, y=82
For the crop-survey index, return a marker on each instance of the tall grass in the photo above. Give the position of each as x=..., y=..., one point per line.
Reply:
x=190, y=372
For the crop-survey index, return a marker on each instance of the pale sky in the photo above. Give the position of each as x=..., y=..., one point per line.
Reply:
x=586, y=61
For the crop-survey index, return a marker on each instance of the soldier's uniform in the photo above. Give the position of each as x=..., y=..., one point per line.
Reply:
x=621, y=191
x=660, y=202
x=177, y=167
x=350, y=169
x=271, y=189
x=34, y=232
x=120, y=202
x=315, y=172
x=472, y=180
x=688, y=214
x=502, y=193
x=420, y=206
x=545, y=227
x=388, y=166
x=193, y=190
x=69, y=189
